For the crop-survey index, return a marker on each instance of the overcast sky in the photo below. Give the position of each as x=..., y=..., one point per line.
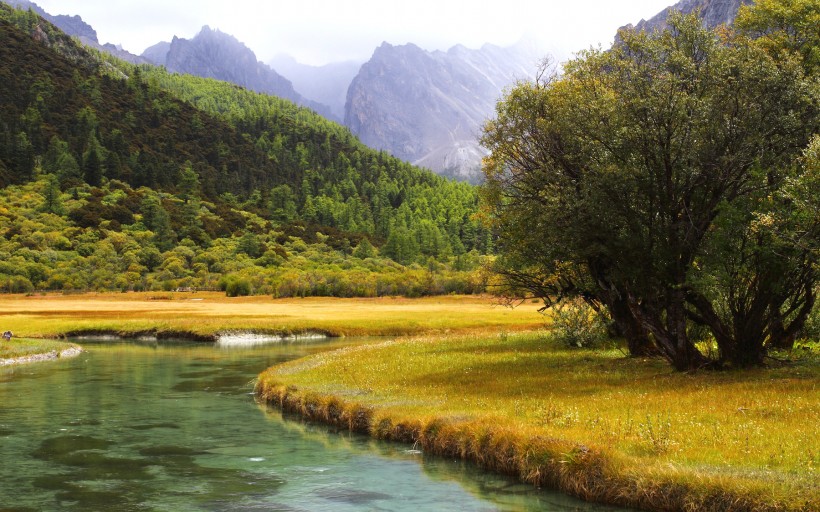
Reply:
x=321, y=31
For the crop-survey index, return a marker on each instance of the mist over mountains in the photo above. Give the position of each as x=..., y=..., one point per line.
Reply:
x=75, y=26
x=325, y=84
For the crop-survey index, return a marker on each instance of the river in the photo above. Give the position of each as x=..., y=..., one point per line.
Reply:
x=173, y=426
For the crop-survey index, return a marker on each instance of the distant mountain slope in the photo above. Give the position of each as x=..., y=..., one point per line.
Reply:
x=58, y=100
x=214, y=54
x=71, y=25
x=86, y=119
x=713, y=12
x=428, y=107
x=157, y=53
x=75, y=26
x=325, y=84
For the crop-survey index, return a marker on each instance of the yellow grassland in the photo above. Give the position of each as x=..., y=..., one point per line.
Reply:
x=209, y=313
x=470, y=378
x=594, y=424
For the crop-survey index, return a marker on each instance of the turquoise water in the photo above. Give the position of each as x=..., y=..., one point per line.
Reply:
x=175, y=427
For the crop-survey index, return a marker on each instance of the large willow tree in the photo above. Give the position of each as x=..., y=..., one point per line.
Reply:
x=664, y=180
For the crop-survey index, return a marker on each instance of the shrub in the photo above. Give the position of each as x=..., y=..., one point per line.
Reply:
x=235, y=286
x=578, y=325
x=16, y=284
x=811, y=330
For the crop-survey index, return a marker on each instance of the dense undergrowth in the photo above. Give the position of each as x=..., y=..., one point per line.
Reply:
x=114, y=237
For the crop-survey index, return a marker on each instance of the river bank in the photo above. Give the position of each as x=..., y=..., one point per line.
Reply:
x=593, y=424
x=171, y=426
x=23, y=351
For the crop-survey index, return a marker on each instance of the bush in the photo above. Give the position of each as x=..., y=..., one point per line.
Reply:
x=235, y=286
x=811, y=330
x=15, y=284
x=578, y=325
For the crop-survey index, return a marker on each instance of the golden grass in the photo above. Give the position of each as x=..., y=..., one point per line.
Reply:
x=594, y=424
x=206, y=314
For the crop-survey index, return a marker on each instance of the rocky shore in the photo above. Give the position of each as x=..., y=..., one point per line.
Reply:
x=47, y=356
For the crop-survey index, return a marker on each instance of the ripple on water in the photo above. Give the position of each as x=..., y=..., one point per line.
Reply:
x=83, y=494
x=170, y=451
x=94, y=465
x=351, y=496
x=55, y=446
x=222, y=383
x=152, y=426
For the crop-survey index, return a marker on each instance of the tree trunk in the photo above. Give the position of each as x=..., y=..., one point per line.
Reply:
x=783, y=337
x=629, y=327
x=673, y=345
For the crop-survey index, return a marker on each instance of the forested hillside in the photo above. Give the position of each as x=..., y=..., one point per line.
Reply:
x=98, y=154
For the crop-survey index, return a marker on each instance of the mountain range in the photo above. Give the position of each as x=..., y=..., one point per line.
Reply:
x=325, y=84
x=214, y=54
x=426, y=107
x=451, y=93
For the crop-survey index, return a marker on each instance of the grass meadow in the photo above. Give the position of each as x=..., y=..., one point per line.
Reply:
x=207, y=314
x=468, y=378
x=592, y=423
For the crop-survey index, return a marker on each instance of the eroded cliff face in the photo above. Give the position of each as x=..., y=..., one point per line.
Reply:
x=713, y=12
x=428, y=107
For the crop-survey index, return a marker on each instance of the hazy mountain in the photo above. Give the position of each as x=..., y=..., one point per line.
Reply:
x=71, y=25
x=325, y=84
x=214, y=54
x=428, y=107
x=158, y=53
x=75, y=26
x=713, y=12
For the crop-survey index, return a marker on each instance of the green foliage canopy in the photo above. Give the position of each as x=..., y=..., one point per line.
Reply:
x=642, y=180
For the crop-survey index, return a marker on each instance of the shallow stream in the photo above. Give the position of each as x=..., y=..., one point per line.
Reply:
x=173, y=426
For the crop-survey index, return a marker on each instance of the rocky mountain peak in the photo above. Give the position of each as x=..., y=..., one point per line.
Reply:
x=214, y=54
x=427, y=107
x=713, y=12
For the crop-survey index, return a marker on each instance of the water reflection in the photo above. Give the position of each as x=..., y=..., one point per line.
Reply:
x=163, y=426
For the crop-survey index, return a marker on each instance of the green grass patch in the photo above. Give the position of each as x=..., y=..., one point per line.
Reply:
x=24, y=347
x=594, y=424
